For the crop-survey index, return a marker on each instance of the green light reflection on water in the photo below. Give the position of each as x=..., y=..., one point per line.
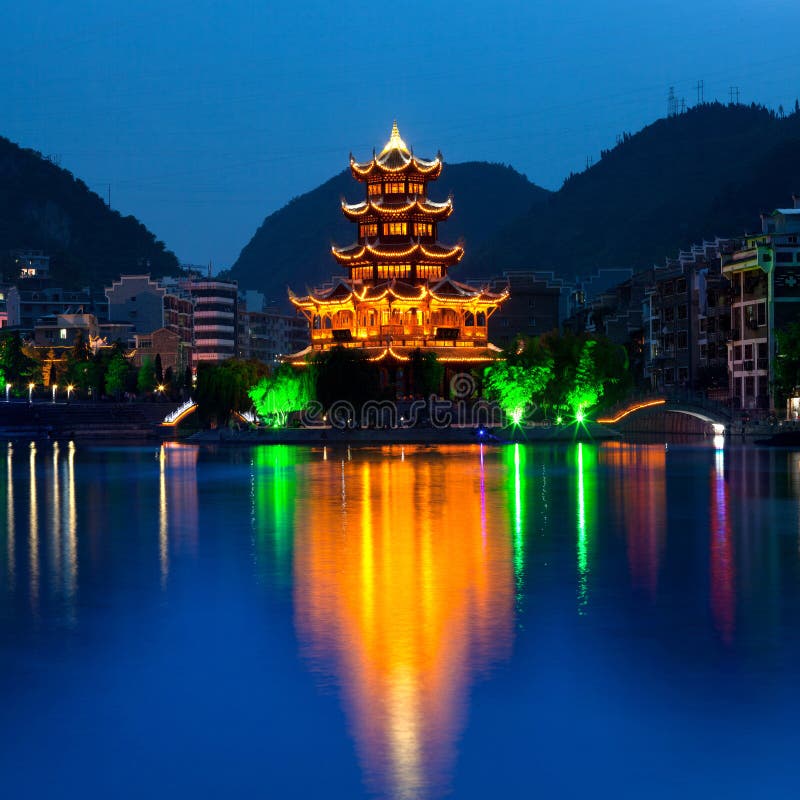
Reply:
x=586, y=458
x=274, y=491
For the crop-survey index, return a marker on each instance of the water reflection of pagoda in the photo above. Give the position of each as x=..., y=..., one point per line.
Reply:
x=398, y=295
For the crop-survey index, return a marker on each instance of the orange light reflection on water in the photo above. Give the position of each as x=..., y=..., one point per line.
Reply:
x=399, y=594
x=640, y=494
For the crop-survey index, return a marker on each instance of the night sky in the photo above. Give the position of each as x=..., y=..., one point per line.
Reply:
x=206, y=116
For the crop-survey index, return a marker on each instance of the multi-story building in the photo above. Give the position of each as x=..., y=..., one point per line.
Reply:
x=764, y=275
x=61, y=330
x=148, y=305
x=398, y=296
x=264, y=333
x=686, y=320
x=537, y=303
x=32, y=299
x=31, y=263
x=215, y=317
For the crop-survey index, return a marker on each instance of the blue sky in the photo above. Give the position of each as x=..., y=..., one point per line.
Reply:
x=206, y=116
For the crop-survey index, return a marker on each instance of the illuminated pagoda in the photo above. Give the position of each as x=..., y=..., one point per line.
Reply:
x=397, y=295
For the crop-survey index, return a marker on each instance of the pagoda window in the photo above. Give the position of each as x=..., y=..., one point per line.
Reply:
x=394, y=187
x=394, y=270
x=362, y=273
x=327, y=324
x=423, y=229
x=415, y=187
x=317, y=323
x=480, y=320
x=395, y=228
x=428, y=271
x=469, y=319
x=369, y=229
x=374, y=188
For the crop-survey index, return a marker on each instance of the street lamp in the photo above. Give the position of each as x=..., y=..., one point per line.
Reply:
x=31, y=386
x=8, y=389
x=55, y=387
x=70, y=388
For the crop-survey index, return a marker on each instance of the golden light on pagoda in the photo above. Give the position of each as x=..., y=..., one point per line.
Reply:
x=398, y=290
x=403, y=608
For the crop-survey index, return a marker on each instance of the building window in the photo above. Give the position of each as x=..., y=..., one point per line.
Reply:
x=669, y=314
x=362, y=273
x=394, y=270
x=683, y=374
x=680, y=286
x=748, y=352
x=683, y=340
x=423, y=229
x=62, y=333
x=395, y=228
x=761, y=314
x=669, y=375
x=750, y=386
x=703, y=351
x=667, y=288
x=395, y=187
x=737, y=352
x=428, y=271
x=369, y=229
x=702, y=324
x=682, y=312
x=374, y=188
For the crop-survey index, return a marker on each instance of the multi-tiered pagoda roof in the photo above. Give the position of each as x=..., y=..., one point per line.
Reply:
x=398, y=294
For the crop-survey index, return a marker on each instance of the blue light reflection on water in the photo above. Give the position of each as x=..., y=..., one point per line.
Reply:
x=613, y=619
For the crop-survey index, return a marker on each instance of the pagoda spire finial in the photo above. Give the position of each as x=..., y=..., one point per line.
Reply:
x=395, y=141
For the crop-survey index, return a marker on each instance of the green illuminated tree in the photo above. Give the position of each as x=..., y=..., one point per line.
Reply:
x=516, y=387
x=587, y=388
x=223, y=388
x=278, y=395
x=146, y=378
x=17, y=363
x=117, y=374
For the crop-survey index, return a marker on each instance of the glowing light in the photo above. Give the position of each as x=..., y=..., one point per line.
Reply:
x=719, y=442
x=516, y=416
x=559, y=419
x=719, y=428
x=580, y=416
x=631, y=410
x=182, y=411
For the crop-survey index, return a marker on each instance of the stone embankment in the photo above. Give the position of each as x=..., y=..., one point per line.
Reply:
x=81, y=420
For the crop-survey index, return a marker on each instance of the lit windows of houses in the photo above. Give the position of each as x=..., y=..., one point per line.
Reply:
x=395, y=228
x=374, y=189
x=423, y=229
x=362, y=273
x=415, y=187
x=368, y=229
x=394, y=187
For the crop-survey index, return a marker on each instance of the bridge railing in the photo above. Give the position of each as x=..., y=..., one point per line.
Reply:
x=691, y=398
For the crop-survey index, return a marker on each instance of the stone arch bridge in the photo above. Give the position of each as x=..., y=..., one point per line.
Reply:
x=717, y=415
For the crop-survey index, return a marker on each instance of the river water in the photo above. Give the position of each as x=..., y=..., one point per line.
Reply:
x=613, y=620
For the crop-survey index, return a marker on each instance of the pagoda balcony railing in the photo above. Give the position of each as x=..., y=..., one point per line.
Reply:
x=402, y=330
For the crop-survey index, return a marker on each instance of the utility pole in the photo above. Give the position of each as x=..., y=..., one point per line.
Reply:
x=700, y=93
x=672, y=102
x=734, y=95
